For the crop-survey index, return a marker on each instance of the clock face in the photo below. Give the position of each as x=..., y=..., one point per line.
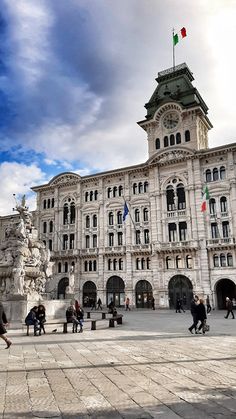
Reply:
x=170, y=120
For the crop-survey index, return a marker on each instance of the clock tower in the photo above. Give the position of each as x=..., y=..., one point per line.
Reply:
x=176, y=113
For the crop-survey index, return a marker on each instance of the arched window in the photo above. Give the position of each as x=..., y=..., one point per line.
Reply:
x=44, y=204
x=137, y=237
x=146, y=236
x=65, y=241
x=119, y=217
x=166, y=141
x=50, y=244
x=111, y=239
x=44, y=242
x=140, y=187
x=91, y=195
x=172, y=139
x=59, y=267
x=145, y=214
x=181, y=196
x=148, y=263
x=66, y=266
x=51, y=226
x=72, y=241
x=87, y=221
x=170, y=198
x=95, y=195
x=222, y=173
x=114, y=264
x=168, y=262
x=45, y=227
x=212, y=206
x=137, y=263
x=53, y=202
x=95, y=240
x=137, y=215
x=95, y=220
x=143, y=263
x=189, y=264
x=145, y=186
x=216, y=261
x=94, y=265
x=90, y=265
x=215, y=174
x=72, y=213
x=49, y=202
x=115, y=191
x=120, y=264
x=208, y=175
x=109, y=264
x=222, y=260
x=65, y=214
x=110, y=219
x=158, y=144
x=178, y=262
x=229, y=259
x=87, y=242
x=135, y=188
x=223, y=204
x=108, y=192
x=86, y=266
x=120, y=190
x=86, y=196
x=178, y=138
x=187, y=135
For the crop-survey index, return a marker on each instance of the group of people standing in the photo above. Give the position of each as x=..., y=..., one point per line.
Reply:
x=75, y=315
x=198, y=311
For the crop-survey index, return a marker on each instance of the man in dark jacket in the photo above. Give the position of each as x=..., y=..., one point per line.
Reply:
x=201, y=315
x=31, y=319
x=229, y=306
x=193, y=309
x=3, y=323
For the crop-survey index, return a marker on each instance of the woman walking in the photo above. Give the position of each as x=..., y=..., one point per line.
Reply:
x=201, y=315
x=3, y=323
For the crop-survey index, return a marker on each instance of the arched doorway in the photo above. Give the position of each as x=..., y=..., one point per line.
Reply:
x=180, y=287
x=116, y=291
x=225, y=288
x=144, y=294
x=61, y=288
x=89, y=294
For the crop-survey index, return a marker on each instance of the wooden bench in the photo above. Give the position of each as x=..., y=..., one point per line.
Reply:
x=118, y=318
x=104, y=313
x=52, y=323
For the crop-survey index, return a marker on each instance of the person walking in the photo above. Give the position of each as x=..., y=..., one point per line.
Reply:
x=193, y=309
x=201, y=316
x=229, y=306
x=3, y=324
x=179, y=306
x=208, y=304
x=31, y=320
x=99, y=304
x=127, y=303
x=41, y=316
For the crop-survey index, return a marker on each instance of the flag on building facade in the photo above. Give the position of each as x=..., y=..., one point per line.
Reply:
x=179, y=35
x=125, y=211
x=205, y=198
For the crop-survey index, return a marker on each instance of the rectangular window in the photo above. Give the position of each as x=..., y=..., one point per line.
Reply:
x=225, y=229
x=137, y=237
x=72, y=241
x=111, y=239
x=95, y=240
x=214, y=231
x=183, y=231
x=120, y=238
x=172, y=232
x=87, y=242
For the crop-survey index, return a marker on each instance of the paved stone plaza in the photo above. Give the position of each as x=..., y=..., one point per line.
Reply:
x=149, y=367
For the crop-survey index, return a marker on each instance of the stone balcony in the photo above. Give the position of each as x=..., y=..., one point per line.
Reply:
x=176, y=246
x=220, y=243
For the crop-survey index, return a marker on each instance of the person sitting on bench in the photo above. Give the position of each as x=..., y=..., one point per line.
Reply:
x=71, y=317
x=31, y=320
x=41, y=316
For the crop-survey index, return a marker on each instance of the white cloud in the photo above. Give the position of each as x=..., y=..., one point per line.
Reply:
x=18, y=179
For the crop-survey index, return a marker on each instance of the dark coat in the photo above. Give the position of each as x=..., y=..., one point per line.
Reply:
x=201, y=312
x=31, y=317
x=41, y=315
x=229, y=305
x=3, y=320
x=193, y=307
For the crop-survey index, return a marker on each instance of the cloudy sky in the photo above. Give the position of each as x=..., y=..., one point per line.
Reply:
x=75, y=75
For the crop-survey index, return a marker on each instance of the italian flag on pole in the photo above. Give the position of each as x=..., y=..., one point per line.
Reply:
x=181, y=34
x=205, y=198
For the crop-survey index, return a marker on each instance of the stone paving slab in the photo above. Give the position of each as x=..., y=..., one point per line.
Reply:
x=149, y=367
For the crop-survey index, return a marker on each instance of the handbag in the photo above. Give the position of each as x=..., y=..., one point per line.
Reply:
x=206, y=327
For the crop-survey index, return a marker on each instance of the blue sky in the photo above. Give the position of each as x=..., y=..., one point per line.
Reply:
x=75, y=75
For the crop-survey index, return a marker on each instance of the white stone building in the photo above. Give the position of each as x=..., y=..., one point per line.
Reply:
x=167, y=247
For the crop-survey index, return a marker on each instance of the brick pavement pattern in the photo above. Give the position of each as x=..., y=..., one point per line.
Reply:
x=149, y=367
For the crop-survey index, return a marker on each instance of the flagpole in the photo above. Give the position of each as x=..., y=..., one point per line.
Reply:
x=173, y=32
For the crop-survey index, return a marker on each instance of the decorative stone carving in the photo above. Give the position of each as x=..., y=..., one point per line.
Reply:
x=65, y=179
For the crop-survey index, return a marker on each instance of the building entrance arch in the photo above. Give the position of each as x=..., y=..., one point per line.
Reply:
x=180, y=287
x=116, y=291
x=61, y=288
x=89, y=294
x=225, y=288
x=144, y=295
